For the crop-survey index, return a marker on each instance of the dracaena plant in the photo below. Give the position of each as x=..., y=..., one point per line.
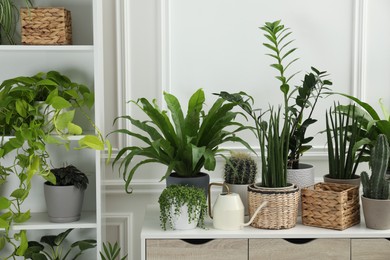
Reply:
x=184, y=143
x=300, y=101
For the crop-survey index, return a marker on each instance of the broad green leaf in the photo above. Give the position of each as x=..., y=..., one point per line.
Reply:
x=46, y=82
x=197, y=154
x=4, y=203
x=21, y=107
x=19, y=193
x=4, y=224
x=91, y=141
x=60, y=103
x=63, y=119
x=23, y=243
x=74, y=129
x=22, y=217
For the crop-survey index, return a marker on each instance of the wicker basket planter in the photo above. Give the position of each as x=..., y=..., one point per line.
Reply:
x=46, y=26
x=331, y=205
x=281, y=210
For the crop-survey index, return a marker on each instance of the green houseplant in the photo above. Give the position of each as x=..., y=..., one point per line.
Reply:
x=56, y=249
x=240, y=171
x=182, y=207
x=111, y=252
x=343, y=138
x=185, y=144
x=376, y=188
x=9, y=16
x=64, y=198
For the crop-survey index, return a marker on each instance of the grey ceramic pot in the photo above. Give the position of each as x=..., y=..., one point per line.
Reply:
x=376, y=213
x=355, y=181
x=202, y=180
x=63, y=203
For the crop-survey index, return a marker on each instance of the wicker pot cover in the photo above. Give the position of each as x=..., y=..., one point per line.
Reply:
x=281, y=210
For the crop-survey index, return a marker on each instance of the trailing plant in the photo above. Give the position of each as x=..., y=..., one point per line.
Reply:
x=304, y=97
x=178, y=195
x=377, y=186
x=343, y=138
x=9, y=16
x=185, y=144
x=55, y=250
x=240, y=168
x=68, y=176
x=111, y=252
x=25, y=136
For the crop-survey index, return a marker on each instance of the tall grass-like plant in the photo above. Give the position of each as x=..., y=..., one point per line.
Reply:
x=343, y=137
x=9, y=16
x=185, y=144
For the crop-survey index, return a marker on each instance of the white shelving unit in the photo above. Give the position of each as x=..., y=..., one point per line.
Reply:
x=82, y=62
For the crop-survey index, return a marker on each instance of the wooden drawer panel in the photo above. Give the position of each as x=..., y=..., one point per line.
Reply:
x=299, y=249
x=373, y=249
x=218, y=249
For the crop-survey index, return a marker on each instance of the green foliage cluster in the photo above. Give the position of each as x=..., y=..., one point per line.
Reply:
x=240, y=168
x=343, y=137
x=377, y=186
x=178, y=195
x=185, y=144
x=70, y=175
x=111, y=252
x=56, y=250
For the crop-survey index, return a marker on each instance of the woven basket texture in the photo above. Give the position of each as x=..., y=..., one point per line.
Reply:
x=281, y=210
x=46, y=26
x=331, y=205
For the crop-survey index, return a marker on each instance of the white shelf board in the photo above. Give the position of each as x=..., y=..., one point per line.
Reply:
x=56, y=48
x=40, y=220
x=152, y=230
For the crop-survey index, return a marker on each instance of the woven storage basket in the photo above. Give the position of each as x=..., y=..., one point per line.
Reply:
x=281, y=210
x=331, y=205
x=46, y=26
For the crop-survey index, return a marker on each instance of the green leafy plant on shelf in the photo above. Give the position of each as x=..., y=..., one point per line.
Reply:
x=36, y=111
x=185, y=144
x=177, y=196
x=52, y=247
x=9, y=16
x=344, y=140
x=111, y=252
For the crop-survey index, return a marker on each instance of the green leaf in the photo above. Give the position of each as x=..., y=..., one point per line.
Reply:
x=62, y=120
x=19, y=193
x=59, y=103
x=2, y=243
x=23, y=243
x=74, y=129
x=22, y=217
x=4, y=203
x=4, y=224
x=91, y=141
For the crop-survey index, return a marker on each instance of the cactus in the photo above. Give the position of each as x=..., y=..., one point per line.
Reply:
x=377, y=185
x=240, y=169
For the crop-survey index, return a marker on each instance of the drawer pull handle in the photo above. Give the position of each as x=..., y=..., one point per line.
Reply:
x=299, y=241
x=197, y=241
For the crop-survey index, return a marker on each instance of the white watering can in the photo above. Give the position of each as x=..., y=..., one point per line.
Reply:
x=228, y=210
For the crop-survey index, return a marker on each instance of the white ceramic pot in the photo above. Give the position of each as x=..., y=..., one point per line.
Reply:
x=181, y=221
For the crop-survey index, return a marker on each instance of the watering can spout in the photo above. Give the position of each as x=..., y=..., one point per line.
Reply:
x=255, y=214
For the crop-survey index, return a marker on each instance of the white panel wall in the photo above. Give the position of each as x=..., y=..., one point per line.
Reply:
x=181, y=45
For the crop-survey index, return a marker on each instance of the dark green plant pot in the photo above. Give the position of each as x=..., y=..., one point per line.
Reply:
x=202, y=180
x=63, y=203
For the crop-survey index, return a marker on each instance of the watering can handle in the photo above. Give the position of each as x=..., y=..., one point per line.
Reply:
x=217, y=184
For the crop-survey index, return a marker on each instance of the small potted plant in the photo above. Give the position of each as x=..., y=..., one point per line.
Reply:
x=240, y=171
x=182, y=207
x=56, y=250
x=376, y=188
x=184, y=143
x=64, y=197
x=343, y=138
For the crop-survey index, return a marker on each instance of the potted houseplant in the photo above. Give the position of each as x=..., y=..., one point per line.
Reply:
x=182, y=207
x=376, y=188
x=56, y=250
x=343, y=138
x=240, y=171
x=9, y=16
x=111, y=252
x=64, y=197
x=185, y=144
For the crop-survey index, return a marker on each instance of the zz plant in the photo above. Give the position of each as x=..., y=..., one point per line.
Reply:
x=377, y=186
x=177, y=196
x=184, y=143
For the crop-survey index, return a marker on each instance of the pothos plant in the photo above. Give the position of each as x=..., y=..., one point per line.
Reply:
x=27, y=128
x=178, y=195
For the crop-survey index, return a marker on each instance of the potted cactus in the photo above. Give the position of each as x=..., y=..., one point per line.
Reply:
x=240, y=171
x=376, y=188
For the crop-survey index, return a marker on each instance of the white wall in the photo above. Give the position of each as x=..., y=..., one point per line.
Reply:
x=181, y=45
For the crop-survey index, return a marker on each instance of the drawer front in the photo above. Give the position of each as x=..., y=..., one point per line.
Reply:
x=299, y=249
x=195, y=249
x=373, y=249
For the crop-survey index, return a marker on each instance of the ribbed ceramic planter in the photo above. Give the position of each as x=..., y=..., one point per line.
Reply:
x=355, y=181
x=202, y=180
x=63, y=203
x=180, y=221
x=376, y=213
